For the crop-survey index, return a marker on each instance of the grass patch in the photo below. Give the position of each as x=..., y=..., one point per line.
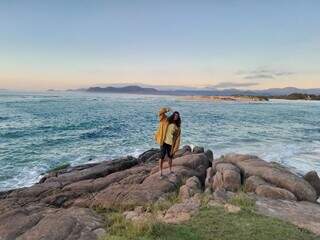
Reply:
x=163, y=204
x=118, y=228
x=242, y=200
x=212, y=223
x=216, y=224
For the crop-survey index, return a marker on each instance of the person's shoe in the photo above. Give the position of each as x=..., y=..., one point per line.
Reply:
x=161, y=177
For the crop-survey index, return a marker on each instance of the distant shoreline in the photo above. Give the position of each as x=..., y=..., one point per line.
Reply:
x=226, y=98
x=210, y=94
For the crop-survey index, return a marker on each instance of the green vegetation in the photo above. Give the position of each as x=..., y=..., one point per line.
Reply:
x=243, y=201
x=212, y=223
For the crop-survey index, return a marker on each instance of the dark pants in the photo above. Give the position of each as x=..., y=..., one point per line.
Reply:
x=165, y=149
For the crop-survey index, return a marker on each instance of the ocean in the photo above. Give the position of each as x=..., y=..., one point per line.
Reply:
x=43, y=130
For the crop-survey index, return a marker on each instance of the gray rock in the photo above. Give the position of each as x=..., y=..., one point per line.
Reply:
x=222, y=195
x=227, y=177
x=151, y=155
x=282, y=178
x=182, y=212
x=274, y=192
x=313, y=178
x=262, y=188
x=302, y=214
x=183, y=151
x=198, y=149
x=209, y=154
x=73, y=224
x=152, y=188
x=192, y=187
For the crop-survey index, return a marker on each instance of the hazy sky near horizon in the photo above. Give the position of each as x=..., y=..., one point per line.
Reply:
x=243, y=44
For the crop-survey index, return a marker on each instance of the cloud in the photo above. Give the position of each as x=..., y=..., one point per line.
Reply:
x=283, y=73
x=263, y=73
x=259, y=76
x=234, y=85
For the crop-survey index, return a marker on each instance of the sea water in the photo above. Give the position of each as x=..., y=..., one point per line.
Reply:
x=43, y=130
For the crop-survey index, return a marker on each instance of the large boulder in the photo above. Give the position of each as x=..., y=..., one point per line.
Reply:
x=185, y=150
x=252, y=182
x=151, y=155
x=198, y=149
x=100, y=170
x=209, y=154
x=262, y=188
x=191, y=188
x=227, y=177
x=274, y=192
x=279, y=177
x=313, y=178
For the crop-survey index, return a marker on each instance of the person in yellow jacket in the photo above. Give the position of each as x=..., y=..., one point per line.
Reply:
x=168, y=136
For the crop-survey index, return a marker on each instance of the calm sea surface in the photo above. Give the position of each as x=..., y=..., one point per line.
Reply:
x=40, y=131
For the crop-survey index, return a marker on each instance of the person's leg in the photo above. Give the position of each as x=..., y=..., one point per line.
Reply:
x=161, y=165
x=170, y=164
x=170, y=159
x=162, y=156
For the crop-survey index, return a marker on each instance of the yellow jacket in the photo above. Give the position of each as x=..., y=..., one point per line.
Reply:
x=162, y=130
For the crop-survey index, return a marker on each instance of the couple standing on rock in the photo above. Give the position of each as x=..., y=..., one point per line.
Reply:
x=168, y=136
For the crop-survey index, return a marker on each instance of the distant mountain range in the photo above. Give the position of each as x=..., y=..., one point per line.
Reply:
x=136, y=89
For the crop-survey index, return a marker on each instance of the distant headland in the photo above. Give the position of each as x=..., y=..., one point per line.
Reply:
x=213, y=94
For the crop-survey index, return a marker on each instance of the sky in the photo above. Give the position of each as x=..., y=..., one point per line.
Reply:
x=54, y=44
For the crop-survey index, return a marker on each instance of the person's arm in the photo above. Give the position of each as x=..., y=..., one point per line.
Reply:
x=162, y=112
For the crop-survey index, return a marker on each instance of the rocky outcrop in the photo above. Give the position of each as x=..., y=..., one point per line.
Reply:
x=276, y=177
x=151, y=188
x=59, y=206
x=262, y=188
x=35, y=223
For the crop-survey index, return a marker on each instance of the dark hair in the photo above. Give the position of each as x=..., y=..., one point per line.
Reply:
x=171, y=119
